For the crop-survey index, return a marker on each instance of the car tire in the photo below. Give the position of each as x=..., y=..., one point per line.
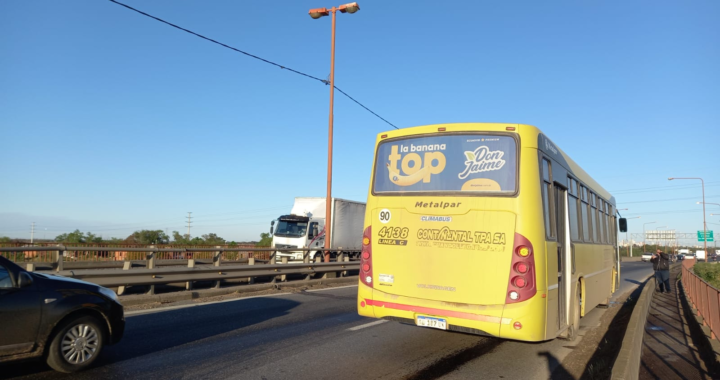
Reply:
x=76, y=345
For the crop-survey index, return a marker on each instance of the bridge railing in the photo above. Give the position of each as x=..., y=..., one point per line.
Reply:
x=110, y=252
x=704, y=298
x=187, y=269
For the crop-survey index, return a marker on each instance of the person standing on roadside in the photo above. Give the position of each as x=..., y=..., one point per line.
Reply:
x=661, y=265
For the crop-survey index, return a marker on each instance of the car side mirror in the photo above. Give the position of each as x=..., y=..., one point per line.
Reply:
x=623, y=225
x=24, y=280
x=272, y=227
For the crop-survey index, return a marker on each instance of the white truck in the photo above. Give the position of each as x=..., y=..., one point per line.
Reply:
x=700, y=255
x=304, y=227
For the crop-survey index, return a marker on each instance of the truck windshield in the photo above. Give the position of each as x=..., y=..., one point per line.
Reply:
x=291, y=229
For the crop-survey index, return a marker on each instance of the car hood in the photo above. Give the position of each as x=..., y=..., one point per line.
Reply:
x=61, y=279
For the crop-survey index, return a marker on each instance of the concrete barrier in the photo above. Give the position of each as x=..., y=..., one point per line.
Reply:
x=627, y=364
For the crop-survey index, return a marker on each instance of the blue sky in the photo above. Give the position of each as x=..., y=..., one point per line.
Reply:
x=112, y=122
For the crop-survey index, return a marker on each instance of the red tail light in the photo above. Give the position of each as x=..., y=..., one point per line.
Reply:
x=366, y=258
x=521, y=284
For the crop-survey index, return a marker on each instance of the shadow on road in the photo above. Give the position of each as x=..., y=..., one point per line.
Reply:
x=634, y=281
x=453, y=361
x=152, y=333
x=555, y=368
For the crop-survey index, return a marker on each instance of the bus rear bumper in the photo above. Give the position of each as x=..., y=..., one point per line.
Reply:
x=489, y=320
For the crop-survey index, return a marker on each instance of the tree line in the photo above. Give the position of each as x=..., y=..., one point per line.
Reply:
x=150, y=237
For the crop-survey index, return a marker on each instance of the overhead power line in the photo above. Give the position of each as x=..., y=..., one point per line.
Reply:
x=326, y=82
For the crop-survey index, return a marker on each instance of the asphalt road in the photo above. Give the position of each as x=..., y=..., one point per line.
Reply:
x=311, y=335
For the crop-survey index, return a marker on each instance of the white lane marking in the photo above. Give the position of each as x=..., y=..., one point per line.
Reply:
x=161, y=309
x=337, y=287
x=367, y=325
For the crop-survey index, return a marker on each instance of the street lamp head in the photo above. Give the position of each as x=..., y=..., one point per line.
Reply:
x=349, y=8
x=319, y=12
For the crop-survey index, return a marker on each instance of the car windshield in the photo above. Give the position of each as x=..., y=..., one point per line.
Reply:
x=291, y=229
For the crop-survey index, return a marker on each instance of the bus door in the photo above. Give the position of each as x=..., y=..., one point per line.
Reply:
x=563, y=252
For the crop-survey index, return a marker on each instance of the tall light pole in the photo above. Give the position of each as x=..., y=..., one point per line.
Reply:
x=703, y=202
x=317, y=13
x=644, y=234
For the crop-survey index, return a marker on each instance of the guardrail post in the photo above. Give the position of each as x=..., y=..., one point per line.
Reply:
x=189, y=284
x=150, y=258
x=332, y=274
x=272, y=257
x=283, y=277
x=346, y=260
x=306, y=256
x=341, y=259
x=126, y=266
x=216, y=262
x=251, y=261
x=30, y=267
x=59, y=265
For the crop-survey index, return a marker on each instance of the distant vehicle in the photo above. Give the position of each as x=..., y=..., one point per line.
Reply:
x=646, y=256
x=700, y=255
x=683, y=251
x=304, y=228
x=65, y=320
x=680, y=257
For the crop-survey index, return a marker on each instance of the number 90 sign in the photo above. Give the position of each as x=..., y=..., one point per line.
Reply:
x=384, y=215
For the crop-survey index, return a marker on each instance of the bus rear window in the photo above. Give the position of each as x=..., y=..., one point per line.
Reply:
x=447, y=163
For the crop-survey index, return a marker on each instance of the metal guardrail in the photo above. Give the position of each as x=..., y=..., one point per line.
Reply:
x=109, y=274
x=153, y=255
x=704, y=298
x=158, y=276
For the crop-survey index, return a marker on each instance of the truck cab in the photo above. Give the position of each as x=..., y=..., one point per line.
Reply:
x=297, y=231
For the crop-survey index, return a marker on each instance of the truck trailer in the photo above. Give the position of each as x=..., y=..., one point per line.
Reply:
x=304, y=227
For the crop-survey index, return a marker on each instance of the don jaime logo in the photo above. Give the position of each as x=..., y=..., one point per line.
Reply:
x=481, y=160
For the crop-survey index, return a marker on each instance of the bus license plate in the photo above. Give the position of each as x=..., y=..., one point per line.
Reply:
x=435, y=323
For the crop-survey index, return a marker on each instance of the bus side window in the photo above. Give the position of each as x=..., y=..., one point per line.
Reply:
x=548, y=201
x=573, y=210
x=585, y=211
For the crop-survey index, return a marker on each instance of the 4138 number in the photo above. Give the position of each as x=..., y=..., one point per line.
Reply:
x=394, y=232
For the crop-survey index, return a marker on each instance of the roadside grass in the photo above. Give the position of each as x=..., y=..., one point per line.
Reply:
x=708, y=272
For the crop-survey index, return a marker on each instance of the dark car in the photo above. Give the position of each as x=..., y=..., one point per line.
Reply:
x=66, y=321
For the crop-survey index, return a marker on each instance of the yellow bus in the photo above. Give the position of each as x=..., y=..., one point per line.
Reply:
x=485, y=228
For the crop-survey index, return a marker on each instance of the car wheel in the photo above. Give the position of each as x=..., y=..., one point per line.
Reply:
x=76, y=345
